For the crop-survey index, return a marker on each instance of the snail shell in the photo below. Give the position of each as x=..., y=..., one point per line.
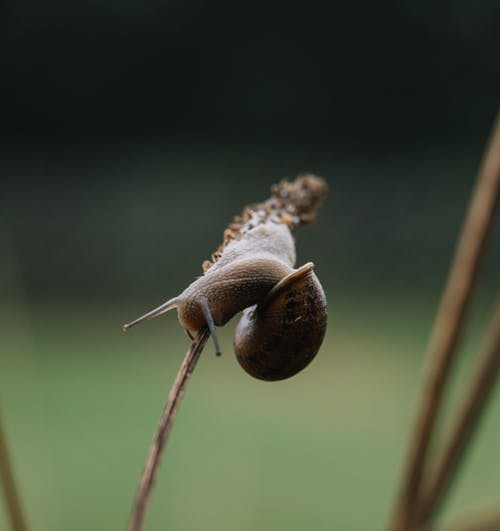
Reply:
x=279, y=337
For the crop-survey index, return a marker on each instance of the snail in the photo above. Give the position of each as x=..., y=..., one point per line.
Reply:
x=284, y=309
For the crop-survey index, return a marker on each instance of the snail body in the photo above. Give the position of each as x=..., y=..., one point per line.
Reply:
x=285, y=311
x=228, y=290
x=244, y=273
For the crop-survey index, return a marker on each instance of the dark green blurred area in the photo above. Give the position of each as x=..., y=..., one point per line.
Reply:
x=136, y=221
x=131, y=135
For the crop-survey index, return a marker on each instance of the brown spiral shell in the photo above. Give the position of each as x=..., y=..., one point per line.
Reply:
x=279, y=337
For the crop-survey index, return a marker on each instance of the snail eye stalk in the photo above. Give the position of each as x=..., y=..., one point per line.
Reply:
x=211, y=325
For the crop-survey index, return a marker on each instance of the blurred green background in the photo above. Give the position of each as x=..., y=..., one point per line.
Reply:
x=131, y=134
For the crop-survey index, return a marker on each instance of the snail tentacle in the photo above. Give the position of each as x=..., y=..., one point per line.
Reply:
x=205, y=308
x=160, y=310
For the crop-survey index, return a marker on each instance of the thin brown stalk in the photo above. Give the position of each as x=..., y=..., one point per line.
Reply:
x=466, y=423
x=447, y=327
x=12, y=500
x=164, y=427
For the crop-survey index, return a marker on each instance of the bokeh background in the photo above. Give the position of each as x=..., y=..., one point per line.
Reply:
x=131, y=133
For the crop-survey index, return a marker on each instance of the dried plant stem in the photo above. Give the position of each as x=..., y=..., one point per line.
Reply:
x=167, y=418
x=465, y=425
x=447, y=327
x=13, y=503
